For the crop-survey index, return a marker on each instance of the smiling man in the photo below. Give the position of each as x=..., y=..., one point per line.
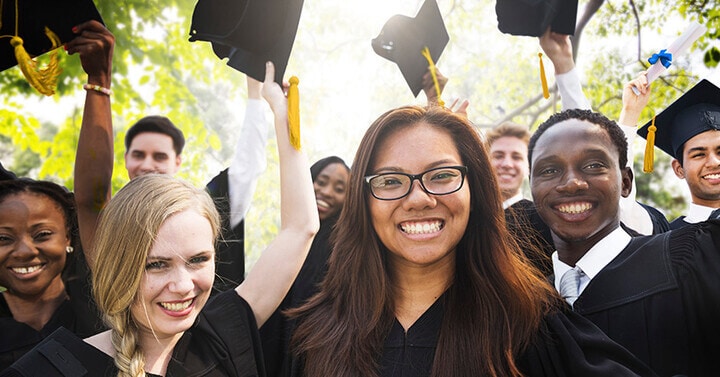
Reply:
x=689, y=131
x=658, y=296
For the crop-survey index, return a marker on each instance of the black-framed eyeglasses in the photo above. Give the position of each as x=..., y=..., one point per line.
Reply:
x=437, y=181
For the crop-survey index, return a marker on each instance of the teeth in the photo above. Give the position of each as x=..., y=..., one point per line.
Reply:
x=322, y=203
x=421, y=228
x=713, y=176
x=26, y=270
x=574, y=208
x=176, y=306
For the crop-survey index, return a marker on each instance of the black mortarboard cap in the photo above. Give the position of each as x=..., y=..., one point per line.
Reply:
x=532, y=17
x=249, y=32
x=403, y=38
x=60, y=16
x=6, y=175
x=696, y=111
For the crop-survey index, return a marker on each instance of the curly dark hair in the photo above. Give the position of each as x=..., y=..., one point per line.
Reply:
x=617, y=136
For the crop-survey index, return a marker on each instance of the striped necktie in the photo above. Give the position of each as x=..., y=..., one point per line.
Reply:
x=569, y=284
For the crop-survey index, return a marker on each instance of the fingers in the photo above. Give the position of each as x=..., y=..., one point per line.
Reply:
x=269, y=72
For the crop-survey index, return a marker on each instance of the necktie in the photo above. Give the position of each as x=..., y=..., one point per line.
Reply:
x=569, y=284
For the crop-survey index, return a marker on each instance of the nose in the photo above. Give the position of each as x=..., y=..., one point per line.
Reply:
x=181, y=281
x=572, y=183
x=418, y=198
x=714, y=159
x=24, y=249
x=147, y=164
x=506, y=161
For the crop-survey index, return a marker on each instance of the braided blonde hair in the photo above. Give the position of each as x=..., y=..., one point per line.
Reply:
x=126, y=232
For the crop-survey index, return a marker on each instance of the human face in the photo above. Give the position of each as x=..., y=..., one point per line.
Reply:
x=151, y=152
x=330, y=186
x=508, y=156
x=33, y=242
x=701, y=168
x=576, y=182
x=419, y=229
x=178, y=276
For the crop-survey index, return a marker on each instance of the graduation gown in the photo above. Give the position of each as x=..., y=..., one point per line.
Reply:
x=660, y=298
x=565, y=345
x=223, y=342
x=277, y=330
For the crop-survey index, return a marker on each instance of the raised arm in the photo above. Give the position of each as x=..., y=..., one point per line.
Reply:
x=273, y=274
x=250, y=158
x=558, y=48
x=94, y=159
x=632, y=213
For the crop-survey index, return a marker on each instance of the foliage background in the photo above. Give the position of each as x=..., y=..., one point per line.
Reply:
x=345, y=86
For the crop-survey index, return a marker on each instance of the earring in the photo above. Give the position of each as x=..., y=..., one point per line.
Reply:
x=69, y=249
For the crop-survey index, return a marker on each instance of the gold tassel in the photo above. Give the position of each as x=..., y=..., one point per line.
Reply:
x=294, y=112
x=543, y=79
x=44, y=80
x=431, y=67
x=650, y=148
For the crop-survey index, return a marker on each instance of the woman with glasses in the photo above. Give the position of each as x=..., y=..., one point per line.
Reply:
x=424, y=279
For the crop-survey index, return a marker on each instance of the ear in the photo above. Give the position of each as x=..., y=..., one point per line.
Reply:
x=678, y=169
x=178, y=161
x=627, y=181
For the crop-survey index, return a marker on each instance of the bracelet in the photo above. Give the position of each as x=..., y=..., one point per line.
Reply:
x=98, y=89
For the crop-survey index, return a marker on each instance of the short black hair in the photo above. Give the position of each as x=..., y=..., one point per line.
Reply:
x=616, y=134
x=158, y=124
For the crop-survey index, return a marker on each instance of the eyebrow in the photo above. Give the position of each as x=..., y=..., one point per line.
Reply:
x=435, y=164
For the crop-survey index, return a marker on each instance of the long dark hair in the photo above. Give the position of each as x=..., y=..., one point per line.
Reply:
x=492, y=309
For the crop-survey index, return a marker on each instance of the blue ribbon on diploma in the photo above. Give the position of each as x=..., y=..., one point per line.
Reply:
x=664, y=57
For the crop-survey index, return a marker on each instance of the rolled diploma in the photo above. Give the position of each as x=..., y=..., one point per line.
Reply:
x=691, y=34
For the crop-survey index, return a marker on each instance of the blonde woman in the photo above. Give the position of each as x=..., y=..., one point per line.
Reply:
x=155, y=269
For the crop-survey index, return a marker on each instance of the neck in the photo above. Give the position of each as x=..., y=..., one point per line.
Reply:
x=415, y=288
x=570, y=250
x=157, y=352
x=36, y=311
x=505, y=195
x=710, y=203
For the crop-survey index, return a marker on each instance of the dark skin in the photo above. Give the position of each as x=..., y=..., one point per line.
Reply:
x=94, y=160
x=576, y=184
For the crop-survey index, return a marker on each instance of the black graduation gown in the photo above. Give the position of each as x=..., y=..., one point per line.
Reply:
x=223, y=342
x=79, y=314
x=680, y=221
x=277, y=330
x=565, y=345
x=230, y=248
x=660, y=298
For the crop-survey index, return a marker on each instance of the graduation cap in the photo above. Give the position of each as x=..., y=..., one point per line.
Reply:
x=6, y=175
x=532, y=17
x=696, y=111
x=402, y=40
x=41, y=25
x=249, y=33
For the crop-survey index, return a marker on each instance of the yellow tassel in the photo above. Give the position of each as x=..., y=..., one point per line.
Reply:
x=543, y=79
x=431, y=67
x=650, y=148
x=42, y=79
x=294, y=112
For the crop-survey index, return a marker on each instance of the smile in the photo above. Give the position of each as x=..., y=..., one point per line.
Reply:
x=177, y=306
x=712, y=176
x=26, y=270
x=574, y=208
x=421, y=227
x=323, y=204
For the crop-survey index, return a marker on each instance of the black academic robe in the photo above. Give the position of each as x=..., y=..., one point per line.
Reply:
x=230, y=248
x=277, y=330
x=565, y=345
x=680, y=221
x=223, y=342
x=660, y=298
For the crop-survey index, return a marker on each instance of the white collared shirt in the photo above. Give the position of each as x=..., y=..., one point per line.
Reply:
x=599, y=256
x=697, y=213
x=513, y=200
